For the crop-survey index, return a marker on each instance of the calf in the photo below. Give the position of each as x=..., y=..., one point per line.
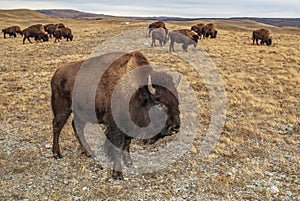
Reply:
x=185, y=36
x=159, y=34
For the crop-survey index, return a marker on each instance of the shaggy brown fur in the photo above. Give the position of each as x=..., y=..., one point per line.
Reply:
x=64, y=102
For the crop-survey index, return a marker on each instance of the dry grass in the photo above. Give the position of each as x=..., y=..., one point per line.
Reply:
x=258, y=148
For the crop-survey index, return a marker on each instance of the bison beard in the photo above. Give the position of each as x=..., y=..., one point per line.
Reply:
x=162, y=95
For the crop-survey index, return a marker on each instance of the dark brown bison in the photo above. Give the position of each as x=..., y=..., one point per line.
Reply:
x=161, y=95
x=50, y=28
x=63, y=32
x=36, y=31
x=60, y=25
x=154, y=25
x=263, y=35
x=12, y=31
x=209, y=30
x=159, y=34
x=185, y=36
x=199, y=29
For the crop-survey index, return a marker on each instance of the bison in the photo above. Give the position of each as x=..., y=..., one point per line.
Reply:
x=209, y=30
x=185, y=36
x=162, y=95
x=263, y=35
x=63, y=32
x=199, y=29
x=154, y=25
x=12, y=31
x=50, y=28
x=159, y=34
x=36, y=31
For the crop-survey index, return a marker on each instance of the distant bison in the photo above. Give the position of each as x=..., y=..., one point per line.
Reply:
x=36, y=31
x=263, y=35
x=159, y=34
x=209, y=30
x=199, y=29
x=161, y=96
x=63, y=32
x=50, y=28
x=154, y=25
x=185, y=36
x=12, y=31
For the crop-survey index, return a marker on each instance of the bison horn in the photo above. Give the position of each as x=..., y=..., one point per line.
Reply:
x=178, y=81
x=150, y=87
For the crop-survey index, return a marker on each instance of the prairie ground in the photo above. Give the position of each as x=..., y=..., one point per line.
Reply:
x=257, y=153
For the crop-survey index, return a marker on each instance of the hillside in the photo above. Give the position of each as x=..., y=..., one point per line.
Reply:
x=69, y=13
x=84, y=15
x=256, y=154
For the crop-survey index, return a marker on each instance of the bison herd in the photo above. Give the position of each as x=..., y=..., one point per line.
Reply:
x=157, y=91
x=40, y=32
x=159, y=32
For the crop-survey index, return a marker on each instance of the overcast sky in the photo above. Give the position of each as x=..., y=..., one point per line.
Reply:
x=176, y=8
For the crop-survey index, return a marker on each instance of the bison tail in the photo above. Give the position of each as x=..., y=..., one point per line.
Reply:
x=253, y=35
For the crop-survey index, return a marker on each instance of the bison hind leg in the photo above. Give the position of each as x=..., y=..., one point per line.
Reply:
x=58, y=123
x=78, y=127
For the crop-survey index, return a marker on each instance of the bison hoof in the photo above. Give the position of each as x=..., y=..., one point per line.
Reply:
x=88, y=154
x=117, y=175
x=57, y=156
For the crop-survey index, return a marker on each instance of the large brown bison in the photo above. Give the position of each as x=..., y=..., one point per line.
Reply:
x=263, y=35
x=209, y=30
x=154, y=25
x=159, y=34
x=36, y=31
x=12, y=31
x=185, y=36
x=63, y=32
x=162, y=95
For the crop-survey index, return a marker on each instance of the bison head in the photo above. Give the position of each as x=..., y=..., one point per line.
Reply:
x=158, y=98
x=269, y=41
x=195, y=39
x=214, y=35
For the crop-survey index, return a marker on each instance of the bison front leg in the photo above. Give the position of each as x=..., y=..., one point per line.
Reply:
x=114, y=146
x=126, y=153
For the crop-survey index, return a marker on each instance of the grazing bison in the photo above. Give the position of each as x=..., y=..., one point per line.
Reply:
x=263, y=35
x=36, y=31
x=209, y=30
x=12, y=31
x=50, y=28
x=162, y=95
x=63, y=32
x=199, y=29
x=185, y=36
x=154, y=25
x=159, y=34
